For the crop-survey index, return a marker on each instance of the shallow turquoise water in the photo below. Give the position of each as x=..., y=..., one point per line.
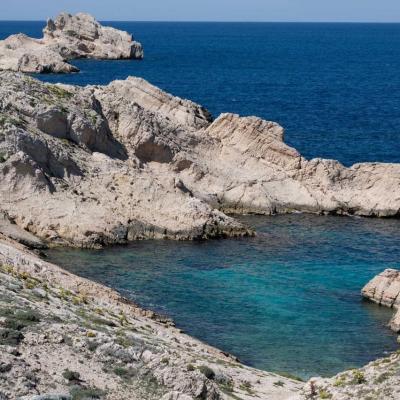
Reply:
x=287, y=300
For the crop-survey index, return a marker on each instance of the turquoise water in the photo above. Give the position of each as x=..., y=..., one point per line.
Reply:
x=334, y=87
x=287, y=300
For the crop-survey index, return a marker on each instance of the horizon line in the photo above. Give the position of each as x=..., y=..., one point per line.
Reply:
x=221, y=22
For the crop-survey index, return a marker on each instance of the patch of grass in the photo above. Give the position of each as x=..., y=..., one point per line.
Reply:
x=124, y=340
x=340, y=381
x=190, y=367
x=86, y=393
x=124, y=373
x=59, y=92
x=21, y=319
x=246, y=386
x=382, y=378
x=71, y=376
x=226, y=387
x=92, y=345
x=10, y=337
x=323, y=394
x=358, y=377
x=207, y=371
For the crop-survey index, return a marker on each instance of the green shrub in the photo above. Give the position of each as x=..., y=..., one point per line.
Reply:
x=92, y=345
x=207, y=371
x=124, y=373
x=10, y=337
x=358, y=377
x=71, y=376
x=4, y=368
x=323, y=394
x=85, y=393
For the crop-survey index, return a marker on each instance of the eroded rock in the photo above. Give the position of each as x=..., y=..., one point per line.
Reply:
x=66, y=38
x=384, y=289
x=109, y=164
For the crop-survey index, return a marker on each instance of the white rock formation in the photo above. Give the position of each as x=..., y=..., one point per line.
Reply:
x=108, y=164
x=384, y=289
x=66, y=38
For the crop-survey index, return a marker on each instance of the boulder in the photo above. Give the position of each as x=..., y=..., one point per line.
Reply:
x=384, y=289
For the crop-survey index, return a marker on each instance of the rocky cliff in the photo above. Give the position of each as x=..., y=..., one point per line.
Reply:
x=108, y=164
x=66, y=38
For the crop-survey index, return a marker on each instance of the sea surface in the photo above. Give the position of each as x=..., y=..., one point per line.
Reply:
x=334, y=87
x=289, y=299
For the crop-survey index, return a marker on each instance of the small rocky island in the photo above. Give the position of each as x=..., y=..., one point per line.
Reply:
x=66, y=38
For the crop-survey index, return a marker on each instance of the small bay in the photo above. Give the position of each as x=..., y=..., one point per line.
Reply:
x=287, y=300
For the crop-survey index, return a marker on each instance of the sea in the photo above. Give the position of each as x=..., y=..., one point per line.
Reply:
x=289, y=299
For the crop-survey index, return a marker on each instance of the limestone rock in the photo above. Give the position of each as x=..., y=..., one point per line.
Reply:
x=66, y=38
x=108, y=164
x=384, y=289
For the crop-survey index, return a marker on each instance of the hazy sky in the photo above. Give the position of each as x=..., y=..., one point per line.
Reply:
x=209, y=10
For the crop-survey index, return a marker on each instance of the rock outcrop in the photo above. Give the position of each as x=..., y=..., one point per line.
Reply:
x=108, y=164
x=66, y=38
x=384, y=289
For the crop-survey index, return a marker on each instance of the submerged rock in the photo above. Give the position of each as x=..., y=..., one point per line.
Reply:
x=66, y=38
x=384, y=290
x=108, y=164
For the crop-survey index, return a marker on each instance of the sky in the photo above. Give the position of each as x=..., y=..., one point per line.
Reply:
x=209, y=10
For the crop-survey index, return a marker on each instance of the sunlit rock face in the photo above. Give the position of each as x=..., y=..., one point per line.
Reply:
x=96, y=165
x=66, y=38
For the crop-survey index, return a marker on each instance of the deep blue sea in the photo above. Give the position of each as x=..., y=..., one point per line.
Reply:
x=334, y=87
x=289, y=299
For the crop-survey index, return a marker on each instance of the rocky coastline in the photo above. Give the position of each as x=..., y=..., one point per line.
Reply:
x=66, y=38
x=99, y=165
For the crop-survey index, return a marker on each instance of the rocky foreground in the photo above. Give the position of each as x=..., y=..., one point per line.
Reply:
x=96, y=165
x=66, y=338
x=66, y=38
x=63, y=337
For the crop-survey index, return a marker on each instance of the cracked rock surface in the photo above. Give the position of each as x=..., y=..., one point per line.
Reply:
x=97, y=165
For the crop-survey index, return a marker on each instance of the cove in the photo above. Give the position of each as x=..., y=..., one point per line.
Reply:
x=287, y=300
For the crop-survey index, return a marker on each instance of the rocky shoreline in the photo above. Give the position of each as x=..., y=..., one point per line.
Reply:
x=66, y=336
x=98, y=165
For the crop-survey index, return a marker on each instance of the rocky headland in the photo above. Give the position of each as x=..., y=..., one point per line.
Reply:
x=97, y=165
x=66, y=38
